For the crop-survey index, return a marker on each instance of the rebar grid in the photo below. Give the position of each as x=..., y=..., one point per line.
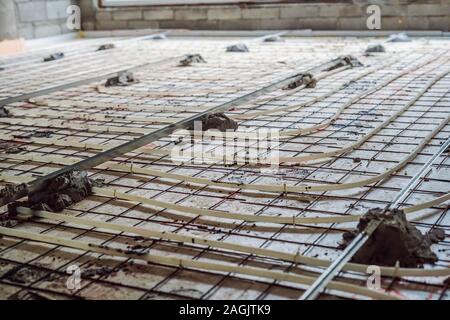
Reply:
x=142, y=281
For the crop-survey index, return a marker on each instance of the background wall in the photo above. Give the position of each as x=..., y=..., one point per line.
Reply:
x=41, y=18
x=7, y=20
x=341, y=15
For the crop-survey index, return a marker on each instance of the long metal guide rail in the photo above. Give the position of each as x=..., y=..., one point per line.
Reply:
x=79, y=51
x=82, y=81
x=110, y=74
x=328, y=275
x=163, y=132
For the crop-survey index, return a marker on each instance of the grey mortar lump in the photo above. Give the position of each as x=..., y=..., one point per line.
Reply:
x=11, y=189
x=395, y=239
x=375, y=48
x=159, y=37
x=239, y=47
x=307, y=79
x=106, y=46
x=124, y=78
x=57, y=193
x=218, y=121
x=346, y=60
x=4, y=113
x=6, y=194
x=54, y=56
x=11, y=147
x=190, y=59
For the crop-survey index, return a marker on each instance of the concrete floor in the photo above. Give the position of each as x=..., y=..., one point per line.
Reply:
x=30, y=269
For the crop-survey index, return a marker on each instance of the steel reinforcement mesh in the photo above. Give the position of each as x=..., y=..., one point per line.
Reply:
x=46, y=129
